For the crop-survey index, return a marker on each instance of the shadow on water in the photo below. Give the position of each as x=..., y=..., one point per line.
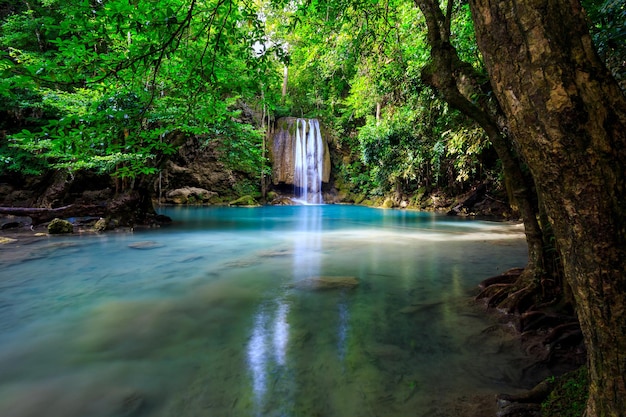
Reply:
x=276, y=311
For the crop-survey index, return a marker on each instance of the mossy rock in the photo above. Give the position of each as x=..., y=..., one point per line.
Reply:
x=100, y=225
x=60, y=226
x=246, y=200
x=359, y=198
x=388, y=203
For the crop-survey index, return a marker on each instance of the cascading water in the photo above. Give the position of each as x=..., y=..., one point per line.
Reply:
x=309, y=160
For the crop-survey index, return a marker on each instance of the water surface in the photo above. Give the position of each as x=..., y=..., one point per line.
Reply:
x=208, y=316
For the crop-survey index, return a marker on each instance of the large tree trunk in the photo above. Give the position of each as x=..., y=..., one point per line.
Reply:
x=568, y=117
x=459, y=84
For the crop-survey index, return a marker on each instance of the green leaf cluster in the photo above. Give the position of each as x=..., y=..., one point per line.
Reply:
x=110, y=85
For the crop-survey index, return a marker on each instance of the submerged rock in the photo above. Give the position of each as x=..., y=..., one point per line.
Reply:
x=60, y=226
x=132, y=405
x=273, y=253
x=146, y=244
x=416, y=308
x=326, y=283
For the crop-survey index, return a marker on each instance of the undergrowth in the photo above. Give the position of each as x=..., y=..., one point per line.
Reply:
x=569, y=397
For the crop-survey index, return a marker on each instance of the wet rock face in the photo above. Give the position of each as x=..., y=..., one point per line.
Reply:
x=282, y=152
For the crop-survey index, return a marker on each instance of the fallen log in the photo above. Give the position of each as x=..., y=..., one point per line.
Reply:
x=41, y=214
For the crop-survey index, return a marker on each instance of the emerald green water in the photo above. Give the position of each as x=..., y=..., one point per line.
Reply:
x=208, y=317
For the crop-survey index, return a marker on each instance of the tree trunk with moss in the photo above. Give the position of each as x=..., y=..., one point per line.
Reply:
x=568, y=117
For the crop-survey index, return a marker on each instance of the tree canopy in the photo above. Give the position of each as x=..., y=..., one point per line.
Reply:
x=105, y=84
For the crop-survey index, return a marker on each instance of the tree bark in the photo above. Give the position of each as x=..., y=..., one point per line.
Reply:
x=568, y=117
x=458, y=83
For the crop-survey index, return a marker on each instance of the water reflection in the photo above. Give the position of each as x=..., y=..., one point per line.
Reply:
x=307, y=243
x=267, y=352
x=343, y=329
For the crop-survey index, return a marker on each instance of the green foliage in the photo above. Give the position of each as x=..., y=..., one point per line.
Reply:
x=358, y=66
x=110, y=86
x=607, y=20
x=465, y=144
x=569, y=397
x=107, y=85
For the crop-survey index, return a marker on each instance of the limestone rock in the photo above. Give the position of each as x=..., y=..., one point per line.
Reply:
x=198, y=164
x=282, y=201
x=60, y=226
x=190, y=195
x=282, y=152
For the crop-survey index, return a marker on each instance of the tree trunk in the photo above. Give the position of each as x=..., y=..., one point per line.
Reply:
x=568, y=117
x=459, y=83
x=285, y=83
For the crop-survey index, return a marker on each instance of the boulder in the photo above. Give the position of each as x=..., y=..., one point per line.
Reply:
x=282, y=201
x=190, y=195
x=60, y=226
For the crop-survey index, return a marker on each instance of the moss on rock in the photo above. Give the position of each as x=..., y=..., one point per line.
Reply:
x=60, y=226
x=246, y=200
x=388, y=203
x=100, y=225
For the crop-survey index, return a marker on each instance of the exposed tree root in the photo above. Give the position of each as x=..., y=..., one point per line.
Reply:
x=536, y=395
x=513, y=292
x=549, y=332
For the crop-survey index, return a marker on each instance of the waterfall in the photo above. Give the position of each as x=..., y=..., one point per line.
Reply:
x=309, y=160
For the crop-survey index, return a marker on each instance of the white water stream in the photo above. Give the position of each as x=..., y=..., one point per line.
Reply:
x=309, y=160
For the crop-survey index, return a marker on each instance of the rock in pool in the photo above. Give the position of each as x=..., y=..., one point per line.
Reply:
x=320, y=283
x=146, y=244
